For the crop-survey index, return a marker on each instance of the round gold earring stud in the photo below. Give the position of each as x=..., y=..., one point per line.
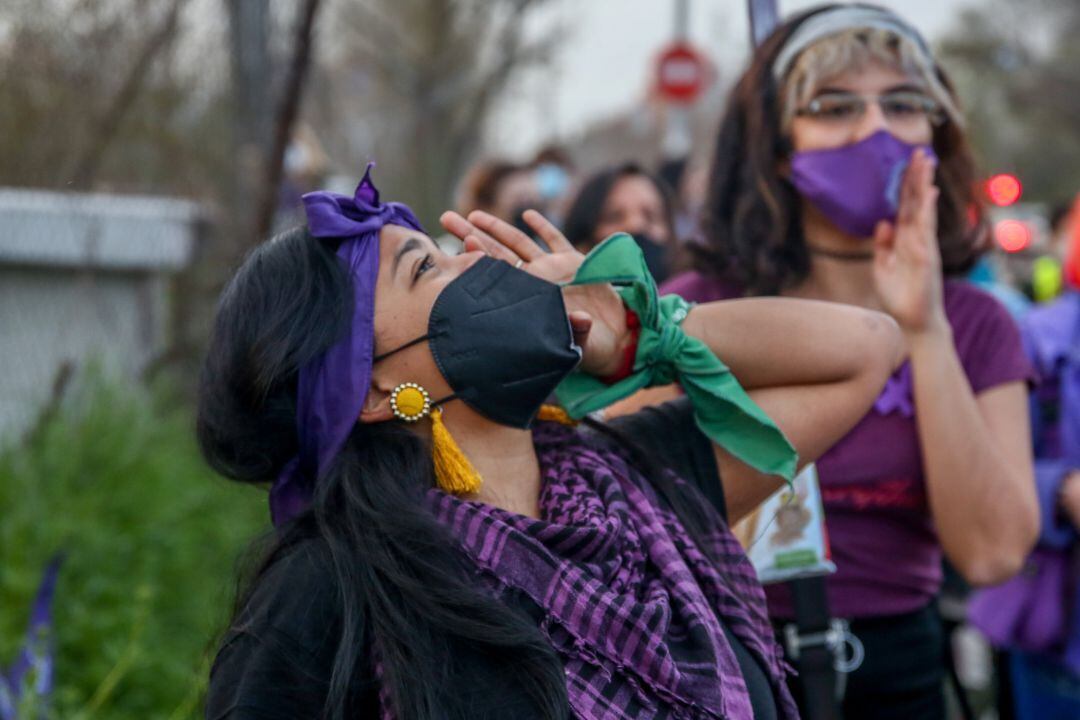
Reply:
x=410, y=402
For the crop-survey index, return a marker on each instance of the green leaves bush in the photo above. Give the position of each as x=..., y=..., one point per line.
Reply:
x=152, y=539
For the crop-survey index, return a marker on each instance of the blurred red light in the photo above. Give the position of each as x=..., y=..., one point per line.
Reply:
x=1004, y=189
x=1012, y=235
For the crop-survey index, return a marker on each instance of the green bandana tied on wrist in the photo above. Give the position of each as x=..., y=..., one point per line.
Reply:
x=665, y=354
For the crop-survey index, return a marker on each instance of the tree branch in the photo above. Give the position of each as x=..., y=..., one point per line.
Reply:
x=286, y=116
x=84, y=169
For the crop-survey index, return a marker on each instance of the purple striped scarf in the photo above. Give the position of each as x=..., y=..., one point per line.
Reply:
x=630, y=602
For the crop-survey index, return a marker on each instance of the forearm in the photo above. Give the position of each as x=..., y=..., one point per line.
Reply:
x=814, y=368
x=979, y=483
x=770, y=342
x=812, y=417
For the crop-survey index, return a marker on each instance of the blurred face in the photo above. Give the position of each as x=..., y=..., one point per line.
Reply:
x=1060, y=235
x=516, y=192
x=634, y=206
x=891, y=101
x=412, y=273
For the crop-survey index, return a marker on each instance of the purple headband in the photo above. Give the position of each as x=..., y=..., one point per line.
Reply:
x=333, y=386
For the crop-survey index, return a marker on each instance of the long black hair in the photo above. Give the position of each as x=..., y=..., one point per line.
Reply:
x=400, y=577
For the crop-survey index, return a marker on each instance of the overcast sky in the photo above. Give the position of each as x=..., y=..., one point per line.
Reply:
x=604, y=62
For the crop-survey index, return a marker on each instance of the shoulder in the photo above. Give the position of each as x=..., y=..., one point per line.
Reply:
x=1060, y=310
x=298, y=590
x=986, y=336
x=277, y=656
x=963, y=296
x=971, y=310
x=1050, y=331
x=699, y=287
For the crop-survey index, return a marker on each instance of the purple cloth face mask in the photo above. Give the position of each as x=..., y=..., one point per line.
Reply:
x=858, y=185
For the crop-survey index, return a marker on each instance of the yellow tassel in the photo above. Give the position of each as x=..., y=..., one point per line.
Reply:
x=554, y=413
x=453, y=471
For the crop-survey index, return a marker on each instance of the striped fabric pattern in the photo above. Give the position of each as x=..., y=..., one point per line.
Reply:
x=630, y=602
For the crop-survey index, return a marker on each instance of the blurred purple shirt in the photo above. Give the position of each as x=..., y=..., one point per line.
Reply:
x=887, y=555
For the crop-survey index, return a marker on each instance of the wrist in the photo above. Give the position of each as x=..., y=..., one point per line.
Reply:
x=935, y=332
x=622, y=362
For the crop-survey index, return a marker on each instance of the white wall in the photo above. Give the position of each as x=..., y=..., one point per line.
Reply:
x=49, y=317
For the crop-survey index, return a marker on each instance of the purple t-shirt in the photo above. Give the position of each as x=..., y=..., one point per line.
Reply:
x=887, y=555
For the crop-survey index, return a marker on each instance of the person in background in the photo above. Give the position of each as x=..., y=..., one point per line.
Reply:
x=691, y=192
x=1034, y=619
x=304, y=168
x=501, y=188
x=1047, y=281
x=498, y=187
x=842, y=173
x=556, y=182
x=626, y=198
x=991, y=274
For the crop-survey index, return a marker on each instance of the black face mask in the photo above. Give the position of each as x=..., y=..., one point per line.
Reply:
x=656, y=257
x=502, y=340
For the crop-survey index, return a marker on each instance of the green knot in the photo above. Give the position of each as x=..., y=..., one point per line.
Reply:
x=666, y=354
x=662, y=350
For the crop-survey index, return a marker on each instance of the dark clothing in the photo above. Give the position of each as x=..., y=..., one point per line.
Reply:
x=277, y=659
x=902, y=676
x=669, y=436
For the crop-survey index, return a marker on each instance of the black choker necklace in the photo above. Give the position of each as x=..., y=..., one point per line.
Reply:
x=853, y=256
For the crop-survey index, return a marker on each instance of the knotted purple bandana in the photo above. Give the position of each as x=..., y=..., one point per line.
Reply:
x=333, y=386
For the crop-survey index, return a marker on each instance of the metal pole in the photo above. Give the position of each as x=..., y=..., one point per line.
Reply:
x=682, y=19
x=764, y=17
x=678, y=137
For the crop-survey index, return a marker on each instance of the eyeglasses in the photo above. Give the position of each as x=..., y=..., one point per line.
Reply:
x=899, y=107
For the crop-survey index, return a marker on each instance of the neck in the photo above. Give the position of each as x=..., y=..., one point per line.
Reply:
x=837, y=273
x=504, y=456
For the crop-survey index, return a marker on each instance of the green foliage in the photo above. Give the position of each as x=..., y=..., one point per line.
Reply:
x=152, y=539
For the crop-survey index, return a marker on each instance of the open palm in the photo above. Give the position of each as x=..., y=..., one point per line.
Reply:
x=596, y=312
x=907, y=260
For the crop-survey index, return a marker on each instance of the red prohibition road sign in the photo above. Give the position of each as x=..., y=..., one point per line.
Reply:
x=681, y=73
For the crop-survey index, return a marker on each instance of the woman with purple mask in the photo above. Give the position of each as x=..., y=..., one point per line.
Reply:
x=842, y=173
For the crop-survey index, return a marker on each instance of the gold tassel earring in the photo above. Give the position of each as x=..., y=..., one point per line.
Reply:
x=453, y=471
x=554, y=413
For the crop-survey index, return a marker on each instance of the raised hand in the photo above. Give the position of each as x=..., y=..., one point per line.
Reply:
x=501, y=240
x=907, y=260
x=596, y=312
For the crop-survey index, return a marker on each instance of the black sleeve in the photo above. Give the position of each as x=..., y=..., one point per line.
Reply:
x=277, y=657
x=669, y=435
